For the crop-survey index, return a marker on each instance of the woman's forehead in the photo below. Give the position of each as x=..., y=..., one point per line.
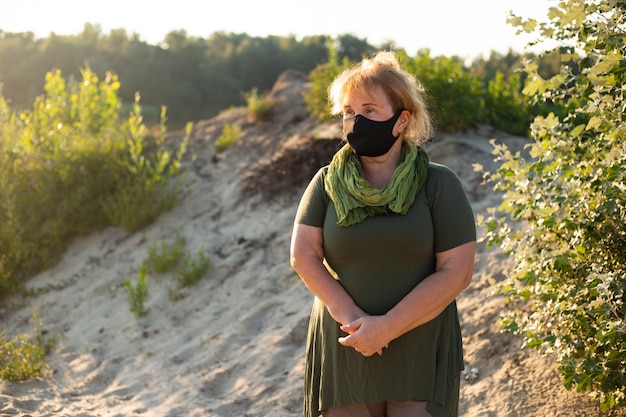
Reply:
x=366, y=94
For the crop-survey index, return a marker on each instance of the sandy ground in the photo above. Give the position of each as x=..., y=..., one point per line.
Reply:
x=234, y=344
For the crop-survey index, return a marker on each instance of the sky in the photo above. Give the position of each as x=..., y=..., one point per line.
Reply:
x=465, y=28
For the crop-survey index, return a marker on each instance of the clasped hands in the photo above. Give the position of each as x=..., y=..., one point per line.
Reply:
x=368, y=335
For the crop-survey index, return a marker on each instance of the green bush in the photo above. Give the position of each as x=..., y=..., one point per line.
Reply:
x=563, y=215
x=73, y=165
x=455, y=95
x=146, y=183
x=23, y=357
x=316, y=98
x=506, y=108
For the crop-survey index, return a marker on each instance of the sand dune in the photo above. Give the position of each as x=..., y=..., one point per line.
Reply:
x=234, y=344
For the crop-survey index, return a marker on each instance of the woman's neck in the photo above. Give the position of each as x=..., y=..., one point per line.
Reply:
x=379, y=170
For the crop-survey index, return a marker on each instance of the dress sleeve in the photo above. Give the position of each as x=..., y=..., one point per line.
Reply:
x=312, y=208
x=452, y=214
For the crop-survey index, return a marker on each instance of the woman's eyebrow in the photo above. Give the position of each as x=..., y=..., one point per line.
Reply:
x=366, y=104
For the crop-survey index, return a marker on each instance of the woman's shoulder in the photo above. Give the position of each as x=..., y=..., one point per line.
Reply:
x=442, y=180
x=440, y=172
x=322, y=170
x=319, y=174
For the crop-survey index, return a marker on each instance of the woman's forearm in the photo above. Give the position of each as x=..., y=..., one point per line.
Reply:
x=321, y=283
x=307, y=261
x=433, y=295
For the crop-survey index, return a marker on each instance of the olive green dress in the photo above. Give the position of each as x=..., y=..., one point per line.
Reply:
x=378, y=262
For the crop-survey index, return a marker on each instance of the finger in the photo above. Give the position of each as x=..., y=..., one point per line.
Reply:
x=347, y=329
x=350, y=327
x=346, y=341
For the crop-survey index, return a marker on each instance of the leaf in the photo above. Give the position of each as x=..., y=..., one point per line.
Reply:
x=529, y=25
x=585, y=383
x=514, y=20
x=605, y=66
x=575, y=15
x=554, y=13
x=534, y=86
x=577, y=130
x=594, y=123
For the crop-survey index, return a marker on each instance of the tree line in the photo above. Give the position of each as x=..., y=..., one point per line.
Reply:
x=194, y=77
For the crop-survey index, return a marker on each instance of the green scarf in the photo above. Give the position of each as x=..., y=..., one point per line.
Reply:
x=355, y=199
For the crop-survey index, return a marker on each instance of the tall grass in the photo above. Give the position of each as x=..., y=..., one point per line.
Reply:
x=74, y=164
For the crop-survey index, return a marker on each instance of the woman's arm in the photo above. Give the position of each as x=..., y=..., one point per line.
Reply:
x=307, y=259
x=425, y=302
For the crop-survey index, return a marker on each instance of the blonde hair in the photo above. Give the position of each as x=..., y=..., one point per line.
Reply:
x=403, y=90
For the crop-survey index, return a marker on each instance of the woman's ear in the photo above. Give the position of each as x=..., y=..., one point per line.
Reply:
x=403, y=120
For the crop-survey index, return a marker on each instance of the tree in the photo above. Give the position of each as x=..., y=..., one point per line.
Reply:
x=563, y=215
x=454, y=93
x=321, y=77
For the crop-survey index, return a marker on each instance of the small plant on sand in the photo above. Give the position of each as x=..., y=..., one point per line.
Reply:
x=192, y=270
x=259, y=106
x=165, y=256
x=23, y=357
x=175, y=294
x=230, y=133
x=137, y=293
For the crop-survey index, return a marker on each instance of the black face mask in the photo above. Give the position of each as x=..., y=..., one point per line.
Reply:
x=368, y=137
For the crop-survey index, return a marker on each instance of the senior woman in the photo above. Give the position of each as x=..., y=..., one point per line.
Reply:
x=385, y=240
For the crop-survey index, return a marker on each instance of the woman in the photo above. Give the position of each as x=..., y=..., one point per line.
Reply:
x=385, y=241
